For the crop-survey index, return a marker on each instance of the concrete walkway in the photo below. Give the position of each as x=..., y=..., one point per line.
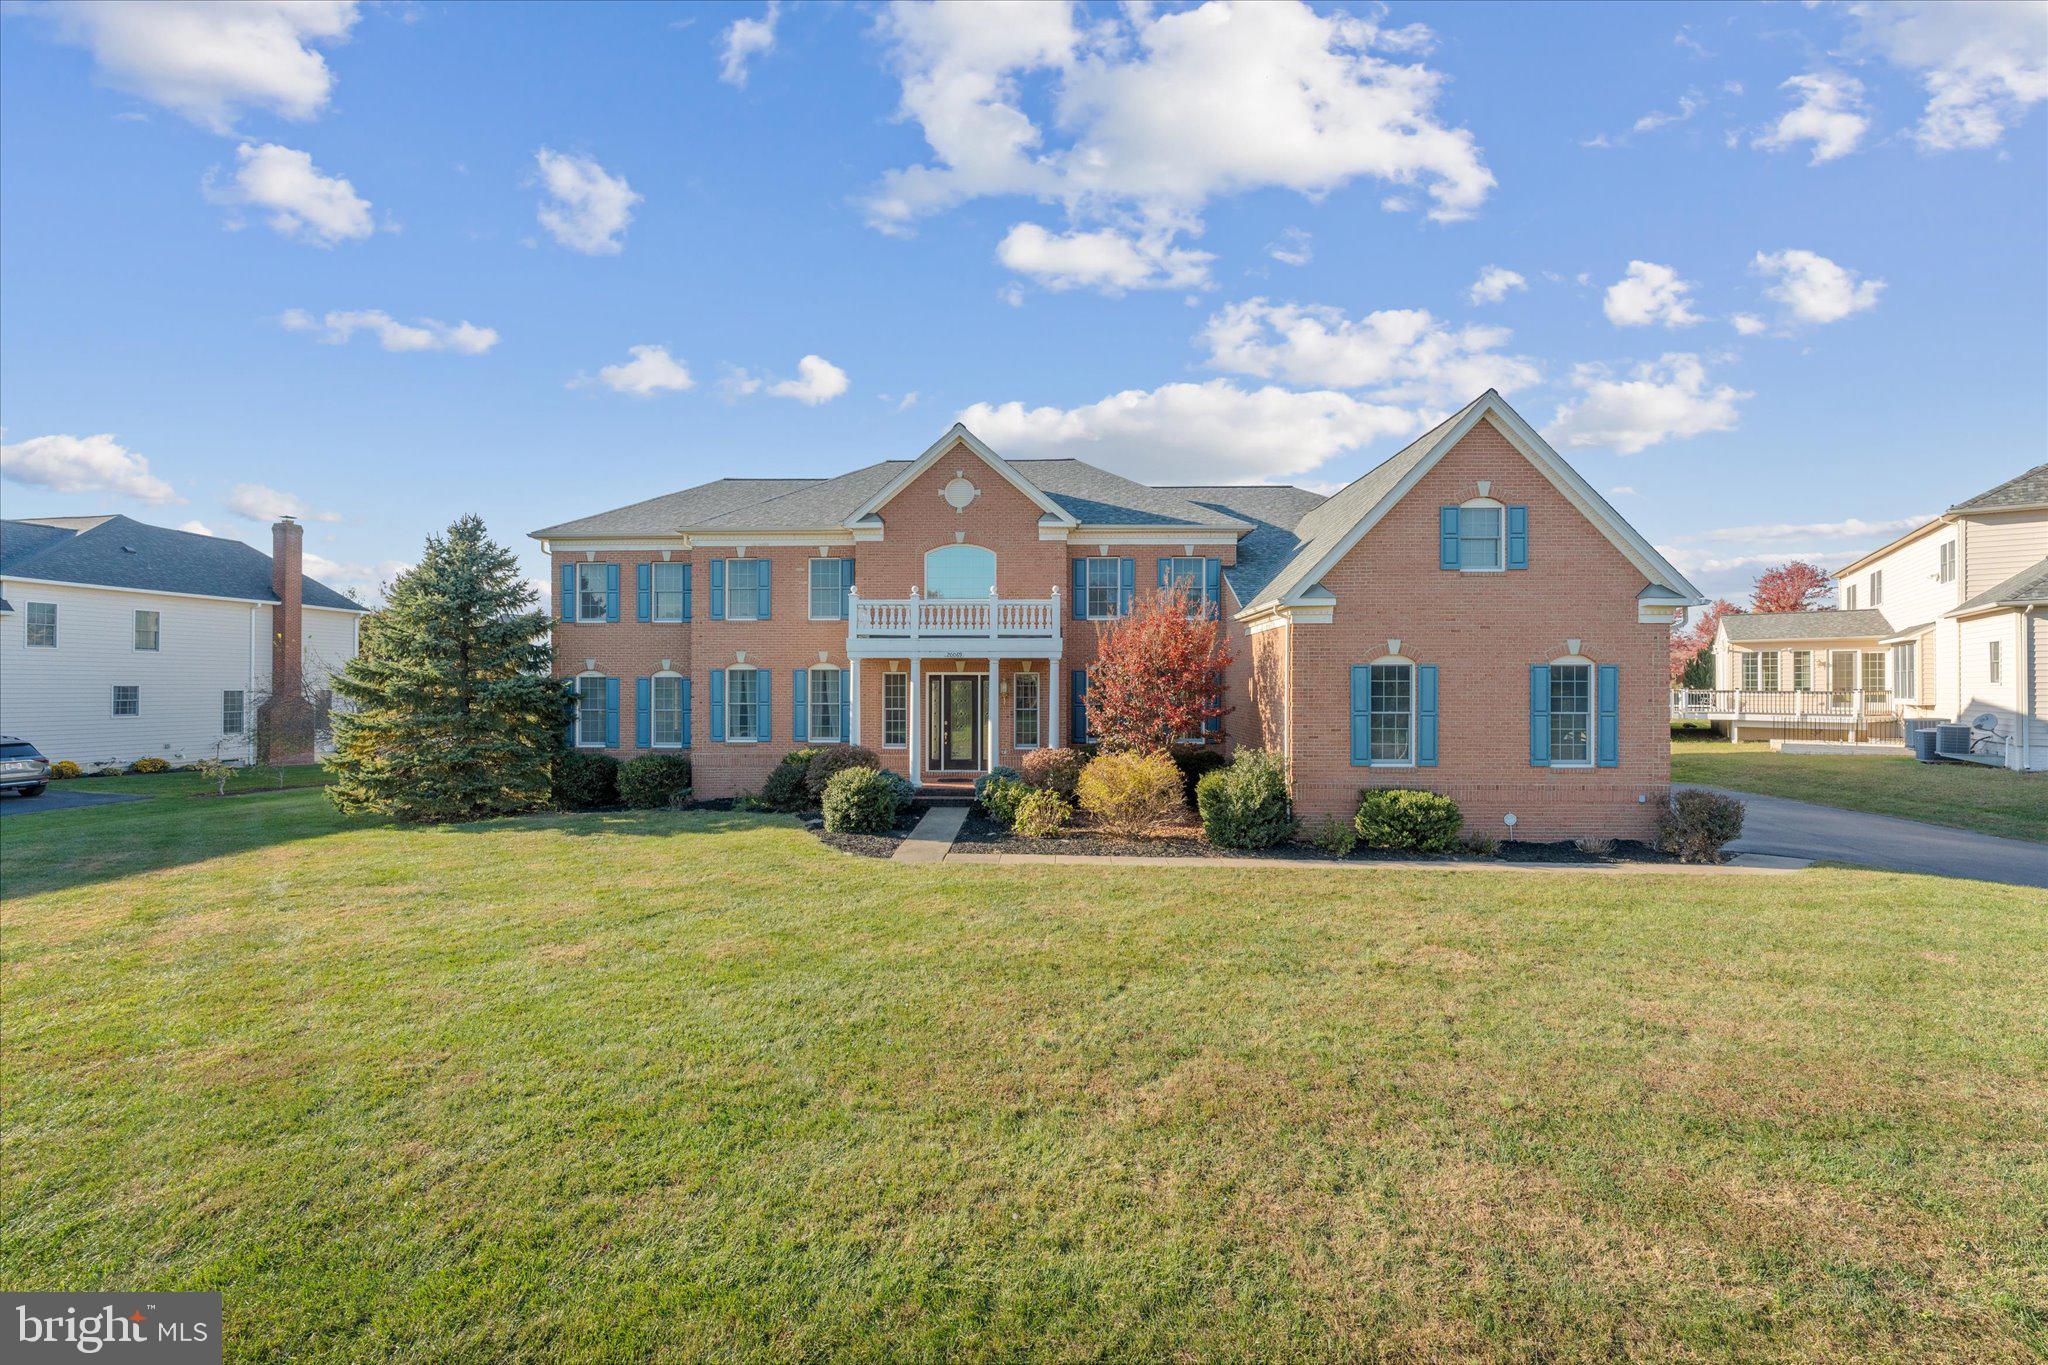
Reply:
x=934, y=835
x=1799, y=829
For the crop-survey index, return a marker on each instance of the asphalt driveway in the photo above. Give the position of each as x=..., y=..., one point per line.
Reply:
x=55, y=797
x=1799, y=829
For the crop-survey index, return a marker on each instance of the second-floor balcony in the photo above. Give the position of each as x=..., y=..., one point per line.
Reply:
x=1028, y=627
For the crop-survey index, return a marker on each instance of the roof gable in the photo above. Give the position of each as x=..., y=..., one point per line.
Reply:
x=958, y=435
x=120, y=552
x=1866, y=623
x=2020, y=491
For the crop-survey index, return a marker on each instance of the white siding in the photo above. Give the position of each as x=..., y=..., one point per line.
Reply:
x=61, y=699
x=2002, y=545
x=2036, y=627
x=1912, y=594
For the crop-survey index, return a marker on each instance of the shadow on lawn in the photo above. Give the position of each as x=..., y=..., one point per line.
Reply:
x=631, y=823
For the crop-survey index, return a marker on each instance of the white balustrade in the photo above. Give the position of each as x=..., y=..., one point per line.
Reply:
x=917, y=618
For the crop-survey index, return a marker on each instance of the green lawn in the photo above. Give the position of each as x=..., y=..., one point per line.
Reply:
x=264, y=777
x=694, y=1086
x=1967, y=796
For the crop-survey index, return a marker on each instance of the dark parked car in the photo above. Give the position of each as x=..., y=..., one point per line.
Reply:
x=22, y=768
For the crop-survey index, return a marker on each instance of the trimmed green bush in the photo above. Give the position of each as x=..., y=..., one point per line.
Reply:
x=1407, y=819
x=1000, y=797
x=788, y=787
x=1195, y=763
x=864, y=801
x=1055, y=770
x=1333, y=836
x=995, y=774
x=1041, y=813
x=834, y=759
x=585, y=781
x=1245, y=805
x=651, y=781
x=1695, y=825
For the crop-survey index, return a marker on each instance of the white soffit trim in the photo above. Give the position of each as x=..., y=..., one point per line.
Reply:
x=958, y=434
x=1552, y=466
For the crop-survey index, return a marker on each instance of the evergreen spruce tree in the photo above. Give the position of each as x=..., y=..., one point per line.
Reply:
x=451, y=710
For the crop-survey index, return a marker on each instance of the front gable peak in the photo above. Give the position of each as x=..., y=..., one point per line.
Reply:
x=959, y=441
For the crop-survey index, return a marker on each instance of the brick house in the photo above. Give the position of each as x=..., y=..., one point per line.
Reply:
x=1469, y=616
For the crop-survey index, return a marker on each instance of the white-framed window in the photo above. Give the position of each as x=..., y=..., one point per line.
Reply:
x=743, y=588
x=667, y=698
x=960, y=571
x=1571, y=715
x=830, y=579
x=1802, y=670
x=1996, y=662
x=1767, y=668
x=1024, y=710
x=127, y=699
x=1482, y=537
x=148, y=631
x=1877, y=587
x=669, y=593
x=1752, y=673
x=1850, y=600
x=233, y=713
x=42, y=625
x=1392, y=731
x=1905, y=670
x=895, y=710
x=592, y=600
x=827, y=693
x=591, y=720
x=1946, y=572
x=742, y=686
x=1873, y=674
x=1104, y=587
x=1190, y=572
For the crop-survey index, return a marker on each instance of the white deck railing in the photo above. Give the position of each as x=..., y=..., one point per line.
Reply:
x=1710, y=703
x=955, y=618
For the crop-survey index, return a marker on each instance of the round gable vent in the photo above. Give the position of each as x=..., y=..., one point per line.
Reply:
x=958, y=492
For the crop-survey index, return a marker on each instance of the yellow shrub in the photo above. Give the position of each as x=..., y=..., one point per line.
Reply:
x=63, y=768
x=151, y=765
x=1131, y=793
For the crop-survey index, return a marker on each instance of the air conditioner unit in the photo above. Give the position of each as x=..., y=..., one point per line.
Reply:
x=1952, y=741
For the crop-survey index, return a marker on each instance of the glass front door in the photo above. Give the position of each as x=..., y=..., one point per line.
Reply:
x=957, y=722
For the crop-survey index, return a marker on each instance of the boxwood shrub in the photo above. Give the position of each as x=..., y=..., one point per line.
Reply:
x=1000, y=797
x=652, y=781
x=1407, y=819
x=788, y=787
x=1245, y=805
x=585, y=781
x=834, y=759
x=1195, y=763
x=1041, y=813
x=864, y=801
x=997, y=773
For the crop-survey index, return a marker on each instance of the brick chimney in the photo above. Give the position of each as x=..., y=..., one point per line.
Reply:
x=286, y=721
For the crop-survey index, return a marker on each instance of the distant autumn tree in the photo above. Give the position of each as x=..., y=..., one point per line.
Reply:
x=1157, y=676
x=1797, y=586
x=1689, y=646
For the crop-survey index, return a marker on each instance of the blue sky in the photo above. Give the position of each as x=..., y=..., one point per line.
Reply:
x=1774, y=272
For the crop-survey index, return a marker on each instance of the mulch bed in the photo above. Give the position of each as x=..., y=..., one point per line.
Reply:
x=982, y=835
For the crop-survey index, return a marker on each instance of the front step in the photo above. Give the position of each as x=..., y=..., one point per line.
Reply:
x=946, y=794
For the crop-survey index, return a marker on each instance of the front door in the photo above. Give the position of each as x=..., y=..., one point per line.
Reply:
x=957, y=718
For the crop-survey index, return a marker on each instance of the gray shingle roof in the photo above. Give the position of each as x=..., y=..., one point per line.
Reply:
x=2028, y=587
x=120, y=552
x=670, y=513
x=1092, y=494
x=1865, y=624
x=2022, y=490
x=1273, y=511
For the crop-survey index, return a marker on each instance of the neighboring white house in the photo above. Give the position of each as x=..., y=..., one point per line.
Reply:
x=1948, y=622
x=120, y=640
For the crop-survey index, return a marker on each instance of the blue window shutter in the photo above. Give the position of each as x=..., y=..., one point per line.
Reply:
x=717, y=703
x=611, y=713
x=761, y=567
x=569, y=730
x=568, y=602
x=799, y=704
x=1078, y=724
x=1518, y=537
x=1361, y=715
x=1213, y=725
x=643, y=592
x=764, y=712
x=1164, y=564
x=1608, y=735
x=846, y=589
x=718, y=599
x=1127, y=587
x=611, y=592
x=1212, y=585
x=1425, y=715
x=686, y=592
x=1080, y=590
x=1447, y=538
x=1539, y=715
x=643, y=710
x=686, y=711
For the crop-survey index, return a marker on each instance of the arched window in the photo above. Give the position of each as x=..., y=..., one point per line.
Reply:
x=959, y=571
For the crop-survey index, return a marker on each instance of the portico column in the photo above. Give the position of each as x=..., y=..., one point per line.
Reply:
x=916, y=687
x=995, y=729
x=1052, y=704
x=853, y=698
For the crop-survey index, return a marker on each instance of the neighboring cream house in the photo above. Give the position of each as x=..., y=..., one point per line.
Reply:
x=1948, y=622
x=120, y=640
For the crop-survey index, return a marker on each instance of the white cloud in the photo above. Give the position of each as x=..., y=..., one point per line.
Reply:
x=207, y=61
x=425, y=334
x=196, y=527
x=817, y=381
x=364, y=582
x=1108, y=260
x=1690, y=103
x=652, y=370
x=1403, y=355
x=587, y=209
x=1665, y=399
x=1622, y=490
x=1813, y=288
x=1494, y=284
x=1648, y=295
x=1295, y=247
x=1730, y=575
x=1982, y=63
x=302, y=201
x=259, y=503
x=1188, y=433
x=1851, y=528
x=83, y=464
x=1829, y=114
x=1748, y=324
x=744, y=39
